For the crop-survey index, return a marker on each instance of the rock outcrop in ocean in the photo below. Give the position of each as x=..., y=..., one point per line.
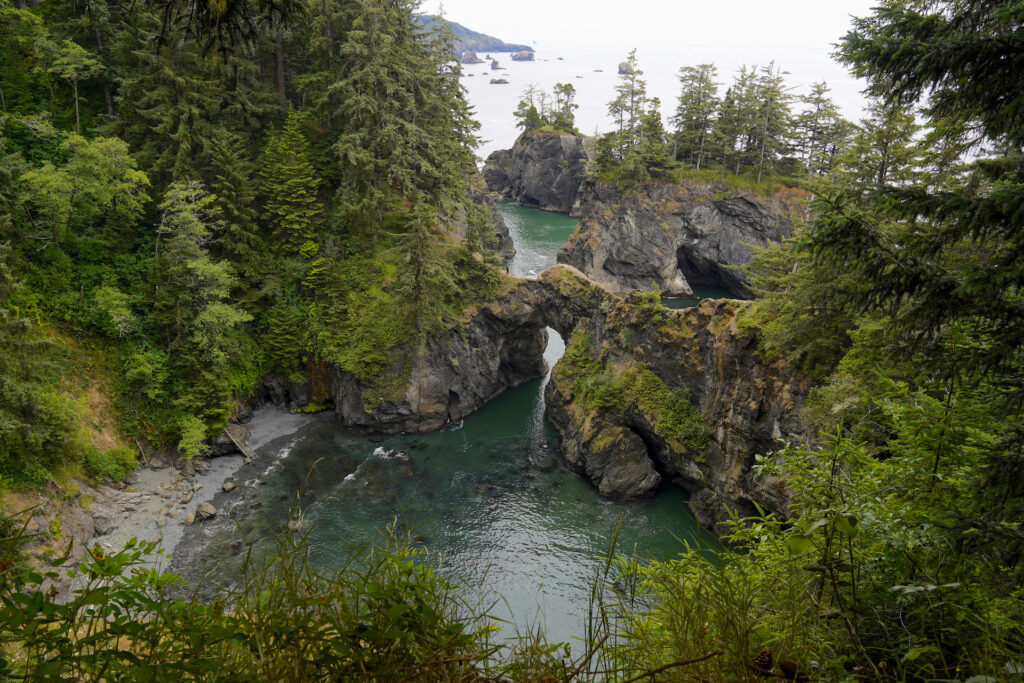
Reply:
x=543, y=170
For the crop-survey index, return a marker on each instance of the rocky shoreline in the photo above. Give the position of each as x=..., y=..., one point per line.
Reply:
x=159, y=503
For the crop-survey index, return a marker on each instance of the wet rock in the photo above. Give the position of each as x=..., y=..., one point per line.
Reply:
x=187, y=498
x=190, y=518
x=229, y=486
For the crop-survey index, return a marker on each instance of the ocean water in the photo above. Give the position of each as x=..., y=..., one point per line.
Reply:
x=593, y=71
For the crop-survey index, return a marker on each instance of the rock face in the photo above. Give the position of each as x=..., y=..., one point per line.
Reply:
x=543, y=170
x=651, y=360
x=675, y=236
x=479, y=195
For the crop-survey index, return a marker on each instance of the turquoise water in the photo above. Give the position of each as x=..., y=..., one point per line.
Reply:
x=490, y=500
x=538, y=235
x=700, y=292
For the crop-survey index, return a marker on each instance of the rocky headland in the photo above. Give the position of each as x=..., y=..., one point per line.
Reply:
x=674, y=236
x=543, y=170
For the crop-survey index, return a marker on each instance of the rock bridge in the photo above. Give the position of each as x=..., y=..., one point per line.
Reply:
x=746, y=402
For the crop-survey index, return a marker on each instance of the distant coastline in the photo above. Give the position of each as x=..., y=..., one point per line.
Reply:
x=474, y=41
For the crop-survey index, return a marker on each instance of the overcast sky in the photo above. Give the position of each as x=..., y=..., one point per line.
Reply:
x=629, y=23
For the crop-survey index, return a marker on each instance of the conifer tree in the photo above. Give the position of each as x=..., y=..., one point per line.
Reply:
x=883, y=150
x=773, y=129
x=628, y=106
x=527, y=116
x=820, y=131
x=191, y=299
x=563, y=113
x=695, y=113
x=170, y=105
x=292, y=211
x=388, y=144
x=426, y=273
x=229, y=180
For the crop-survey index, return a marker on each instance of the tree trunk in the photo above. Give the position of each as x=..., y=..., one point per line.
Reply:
x=78, y=127
x=279, y=84
x=330, y=31
x=107, y=96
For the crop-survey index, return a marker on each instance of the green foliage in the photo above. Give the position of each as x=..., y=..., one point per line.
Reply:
x=622, y=390
x=556, y=113
x=99, y=180
x=114, y=464
x=37, y=422
x=193, y=438
x=292, y=211
x=384, y=615
x=698, y=104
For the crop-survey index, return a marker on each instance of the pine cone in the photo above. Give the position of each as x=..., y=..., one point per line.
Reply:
x=763, y=661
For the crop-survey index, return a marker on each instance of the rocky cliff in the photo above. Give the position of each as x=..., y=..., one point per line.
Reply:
x=542, y=170
x=675, y=236
x=645, y=394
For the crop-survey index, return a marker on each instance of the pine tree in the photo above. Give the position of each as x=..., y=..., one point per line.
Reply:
x=695, y=113
x=426, y=274
x=229, y=179
x=170, y=103
x=528, y=118
x=820, y=131
x=386, y=144
x=629, y=106
x=883, y=150
x=292, y=211
x=563, y=113
x=773, y=130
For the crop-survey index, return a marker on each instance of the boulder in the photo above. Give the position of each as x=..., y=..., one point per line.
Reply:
x=499, y=81
x=494, y=65
x=103, y=524
x=523, y=56
x=205, y=511
x=470, y=57
x=229, y=486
